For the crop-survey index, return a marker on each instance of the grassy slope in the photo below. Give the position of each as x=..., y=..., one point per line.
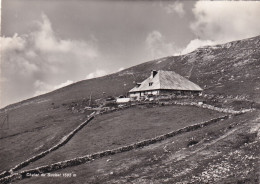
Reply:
x=32, y=129
x=231, y=68
x=125, y=127
x=226, y=152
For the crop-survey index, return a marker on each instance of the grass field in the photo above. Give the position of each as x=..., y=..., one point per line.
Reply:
x=226, y=152
x=127, y=126
x=32, y=129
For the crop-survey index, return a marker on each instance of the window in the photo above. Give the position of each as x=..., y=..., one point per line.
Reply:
x=150, y=83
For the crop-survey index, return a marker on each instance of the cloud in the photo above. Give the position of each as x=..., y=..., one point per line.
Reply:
x=196, y=43
x=157, y=46
x=219, y=22
x=223, y=21
x=98, y=73
x=46, y=41
x=176, y=7
x=39, y=61
x=120, y=69
x=68, y=82
x=43, y=87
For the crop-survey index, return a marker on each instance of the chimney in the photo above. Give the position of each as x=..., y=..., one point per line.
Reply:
x=138, y=84
x=153, y=73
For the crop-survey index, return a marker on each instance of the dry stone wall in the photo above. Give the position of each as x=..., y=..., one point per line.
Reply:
x=197, y=104
x=62, y=142
x=206, y=106
x=8, y=176
x=88, y=158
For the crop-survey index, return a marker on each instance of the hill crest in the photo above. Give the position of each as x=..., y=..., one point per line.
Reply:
x=230, y=69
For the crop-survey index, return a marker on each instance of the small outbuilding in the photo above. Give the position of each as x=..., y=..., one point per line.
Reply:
x=122, y=100
x=164, y=83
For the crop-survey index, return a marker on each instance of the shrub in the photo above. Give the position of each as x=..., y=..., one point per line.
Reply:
x=192, y=142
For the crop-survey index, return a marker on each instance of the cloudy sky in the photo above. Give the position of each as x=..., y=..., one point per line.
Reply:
x=47, y=44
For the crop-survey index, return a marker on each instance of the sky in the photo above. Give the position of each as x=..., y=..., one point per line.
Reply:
x=48, y=44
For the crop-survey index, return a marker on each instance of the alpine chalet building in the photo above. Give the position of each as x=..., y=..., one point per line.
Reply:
x=164, y=83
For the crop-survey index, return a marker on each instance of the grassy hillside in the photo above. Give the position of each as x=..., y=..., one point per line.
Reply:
x=39, y=123
x=126, y=127
x=225, y=152
x=231, y=69
x=32, y=129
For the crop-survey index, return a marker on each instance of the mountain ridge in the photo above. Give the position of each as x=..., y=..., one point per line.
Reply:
x=242, y=56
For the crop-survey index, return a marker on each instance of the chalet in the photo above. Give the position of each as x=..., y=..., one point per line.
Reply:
x=164, y=82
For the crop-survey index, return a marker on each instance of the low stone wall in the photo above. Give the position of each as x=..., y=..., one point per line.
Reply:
x=122, y=149
x=88, y=158
x=62, y=142
x=206, y=106
x=171, y=102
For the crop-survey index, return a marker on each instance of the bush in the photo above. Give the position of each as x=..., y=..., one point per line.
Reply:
x=192, y=142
